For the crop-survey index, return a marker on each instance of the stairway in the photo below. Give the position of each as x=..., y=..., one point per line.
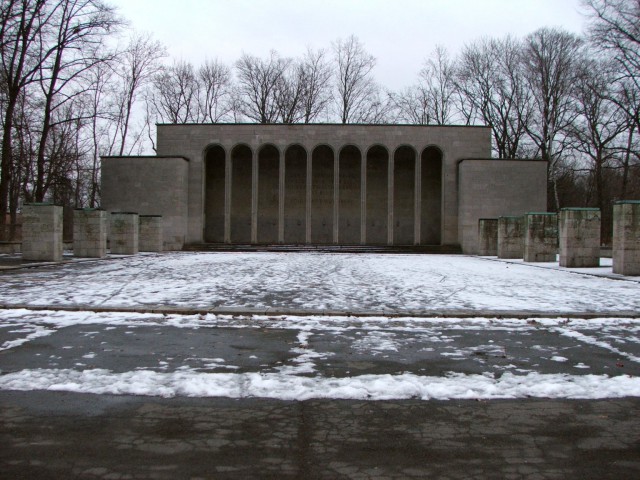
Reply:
x=237, y=247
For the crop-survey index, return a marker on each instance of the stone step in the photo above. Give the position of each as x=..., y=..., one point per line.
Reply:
x=226, y=247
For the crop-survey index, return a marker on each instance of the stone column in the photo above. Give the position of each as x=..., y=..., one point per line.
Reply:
x=255, y=185
x=89, y=233
x=227, y=195
x=390, y=195
x=540, y=237
x=510, y=237
x=150, y=233
x=579, y=237
x=42, y=232
x=626, y=237
x=488, y=237
x=123, y=233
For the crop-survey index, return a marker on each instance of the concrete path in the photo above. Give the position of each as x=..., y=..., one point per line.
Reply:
x=62, y=435
x=57, y=352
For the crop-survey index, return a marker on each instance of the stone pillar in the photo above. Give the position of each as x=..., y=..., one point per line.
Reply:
x=42, y=232
x=89, y=233
x=510, y=237
x=123, y=233
x=488, y=237
x=579, y=237
x=150, y=233
x=626, y=237
x=540, y=237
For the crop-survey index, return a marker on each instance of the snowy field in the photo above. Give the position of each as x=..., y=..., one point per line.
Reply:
x=403, y=284
x=318, y=356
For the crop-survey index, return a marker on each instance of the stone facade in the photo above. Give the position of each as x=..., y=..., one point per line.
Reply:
x=626, y=238
x=488, y=237
x=322, y=184
x=124, y=233
x=42, y=232
x=540, y=237
x=89, y=233
x=150, y=235
x=579, y=237
x=511, y=237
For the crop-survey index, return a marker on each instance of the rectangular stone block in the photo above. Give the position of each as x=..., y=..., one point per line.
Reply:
x=42, y=226
x=89, y=233
x=488, y=237
x=124, y=233
x=626, y=237
x=150, y=239
x=579, y=237
x=540, y=237
x=511, y=237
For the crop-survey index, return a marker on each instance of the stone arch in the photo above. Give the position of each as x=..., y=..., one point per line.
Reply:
x=322, y=189
x=431, y=196
x=268, y=190
x=214, y=194
x=349, y=198
x=295, y=194
x=377, y=197
x=241, y=193
x=404, y=188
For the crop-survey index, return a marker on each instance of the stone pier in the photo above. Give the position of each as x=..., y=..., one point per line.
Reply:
x=89, y=233
x=579, y=237
x=123, y=233
x=488, y=237
x=511, y=237
x=42, y=232
x=626, y=237
x=150, y=239
x=540, y=237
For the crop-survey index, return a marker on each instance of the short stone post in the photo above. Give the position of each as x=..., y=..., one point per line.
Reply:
x=89, y=233
x=626, y=237
x=42, y=232
x=488, y=237
x=540, y=237
x=123, y=233
x=150, y=233
x=510, y=237
x=579, y=237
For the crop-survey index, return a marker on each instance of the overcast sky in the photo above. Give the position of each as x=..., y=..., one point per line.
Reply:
x=399, y=33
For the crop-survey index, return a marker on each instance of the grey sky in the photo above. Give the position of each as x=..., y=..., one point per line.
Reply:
x=399, y=33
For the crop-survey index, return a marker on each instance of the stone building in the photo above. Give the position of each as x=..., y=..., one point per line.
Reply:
x=323, y=184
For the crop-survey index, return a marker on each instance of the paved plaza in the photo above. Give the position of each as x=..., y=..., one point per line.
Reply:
x=265, y=365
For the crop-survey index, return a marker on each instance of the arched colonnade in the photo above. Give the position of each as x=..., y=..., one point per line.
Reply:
x=323, y=196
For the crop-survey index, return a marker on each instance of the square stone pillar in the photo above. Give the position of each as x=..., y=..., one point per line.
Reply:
x=123, y=233
x=150, y=239
x=540, y=237
x=89, y=233
x=42, y=232
x=488, y=237
x=626, y=237
x=579, y=237
x=510, y=237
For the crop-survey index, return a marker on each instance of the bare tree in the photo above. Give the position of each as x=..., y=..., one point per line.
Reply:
x=258, y=81
x=491, y=79
x=76, y=44
x=550, y=58
x=175, y=93
x=355, y=87
x=136, y=67
x=316, y=79
x=597, y=127
x=21, y=29
x=214, y=82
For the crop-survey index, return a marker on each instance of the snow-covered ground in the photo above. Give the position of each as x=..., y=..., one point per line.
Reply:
x=390, y=283
x=317, y=356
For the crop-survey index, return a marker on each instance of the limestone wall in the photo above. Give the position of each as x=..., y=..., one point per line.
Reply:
x=149, y=186
x=191, y=141
x=42, y=232
x=494, y=188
